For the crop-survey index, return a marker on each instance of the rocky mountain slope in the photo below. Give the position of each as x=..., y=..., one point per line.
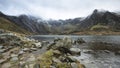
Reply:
x=8, y=25
x=97, y=21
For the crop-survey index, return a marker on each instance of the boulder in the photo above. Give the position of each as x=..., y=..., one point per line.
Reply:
x=71, y=59
x=75, y=51
x=38, y=44
x=79, y=41
x=74, y=65
x=65, y=43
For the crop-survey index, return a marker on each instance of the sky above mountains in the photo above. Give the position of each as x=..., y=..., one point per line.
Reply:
x=57, y=9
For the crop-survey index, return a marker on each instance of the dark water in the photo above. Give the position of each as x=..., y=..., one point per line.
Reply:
x=93, y=59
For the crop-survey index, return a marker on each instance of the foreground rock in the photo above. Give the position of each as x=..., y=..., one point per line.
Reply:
x=62, y=54
x=14, y=47
x=16, y=51
x=75, y=51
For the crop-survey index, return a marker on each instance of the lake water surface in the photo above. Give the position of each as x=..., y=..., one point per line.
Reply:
x=87, y=38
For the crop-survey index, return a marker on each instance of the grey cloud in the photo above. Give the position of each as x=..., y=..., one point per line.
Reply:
x=57, y=9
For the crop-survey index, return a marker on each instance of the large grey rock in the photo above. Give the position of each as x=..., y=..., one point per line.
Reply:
x=75, y=51
x=38, y=44
x=65, y=42
x=71, y=58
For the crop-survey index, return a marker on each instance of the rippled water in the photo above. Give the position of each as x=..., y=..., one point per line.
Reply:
x=87, y=38
x=89, y=57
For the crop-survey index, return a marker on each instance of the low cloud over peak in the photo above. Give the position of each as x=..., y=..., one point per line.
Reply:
x=57, y=9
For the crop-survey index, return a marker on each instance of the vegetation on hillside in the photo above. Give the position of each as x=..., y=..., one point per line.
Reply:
x=99, y=27
x=9, y=26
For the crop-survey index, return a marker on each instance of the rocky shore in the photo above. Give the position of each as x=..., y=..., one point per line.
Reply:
x=17, y=51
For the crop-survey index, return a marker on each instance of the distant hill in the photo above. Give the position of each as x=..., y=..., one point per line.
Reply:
x=7, y=25
x=97, y=21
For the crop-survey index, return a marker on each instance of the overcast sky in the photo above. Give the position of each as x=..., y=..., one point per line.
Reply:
x=57, y=9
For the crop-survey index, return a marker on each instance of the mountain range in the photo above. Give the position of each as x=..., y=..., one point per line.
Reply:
x=97, y=21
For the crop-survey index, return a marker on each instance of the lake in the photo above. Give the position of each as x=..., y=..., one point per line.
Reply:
x=87, y=38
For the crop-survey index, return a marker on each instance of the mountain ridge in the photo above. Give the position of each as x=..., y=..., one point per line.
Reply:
x=39, y=26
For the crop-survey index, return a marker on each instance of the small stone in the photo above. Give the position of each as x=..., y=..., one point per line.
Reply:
x=14, y=55
x=56, y=52
x=34, y=49
x=21, y=52
x=25, y=49
x=14, y=58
